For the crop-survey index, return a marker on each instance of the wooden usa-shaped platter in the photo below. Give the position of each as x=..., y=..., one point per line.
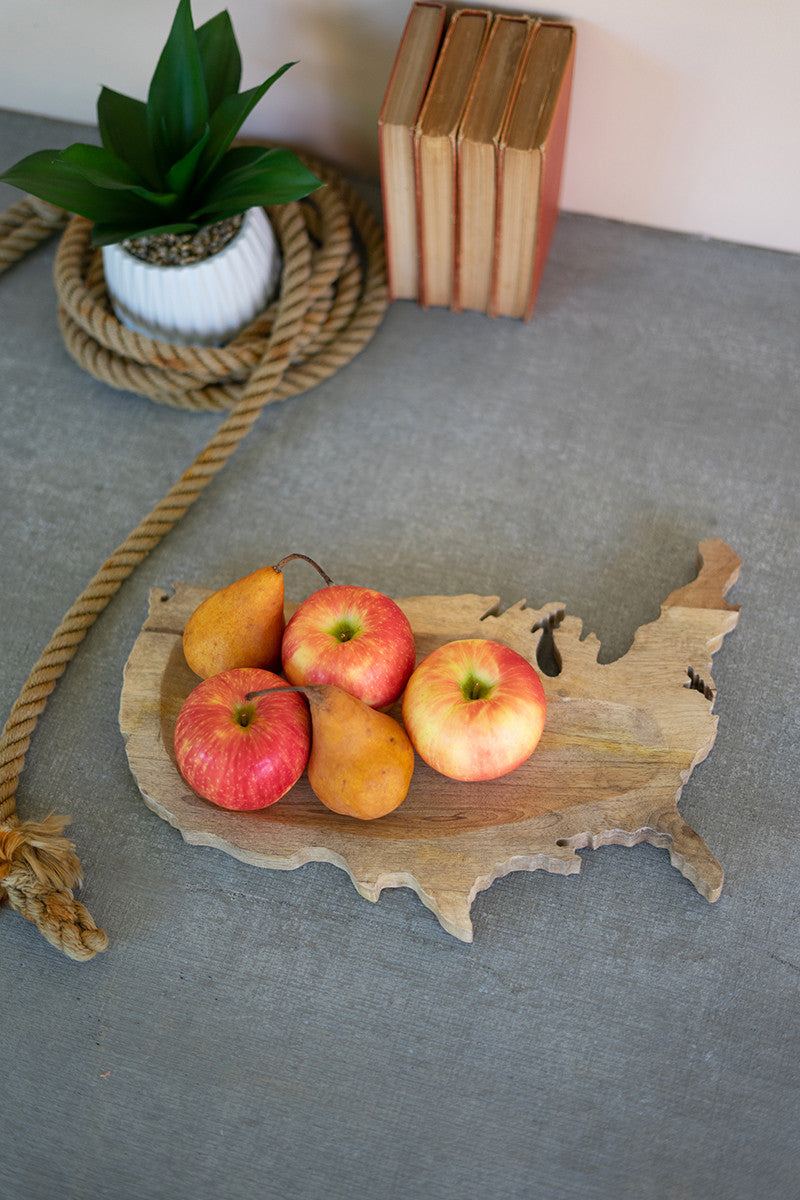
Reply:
x=620, y=742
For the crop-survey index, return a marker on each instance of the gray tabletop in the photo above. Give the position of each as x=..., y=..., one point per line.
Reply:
x=256, y=1033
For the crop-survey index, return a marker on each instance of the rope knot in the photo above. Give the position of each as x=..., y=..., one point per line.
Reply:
x=39, y=849
x=38, y=869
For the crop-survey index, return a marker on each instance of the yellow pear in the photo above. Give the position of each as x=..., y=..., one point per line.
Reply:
x=361, y=760
x=240, y=625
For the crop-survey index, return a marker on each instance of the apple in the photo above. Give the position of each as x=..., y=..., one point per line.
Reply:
x=474, y=709
x=242, y=753
x=352, y=637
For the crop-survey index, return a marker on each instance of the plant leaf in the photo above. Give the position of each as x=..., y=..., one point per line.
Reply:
x=45, y=174
x=101, y=167
x=123, y=130
x=177, y=104
x=227, y=120
x=161, y=202
x=277, y=177
x=219, y=54
x=181, y=174
x=239, y=157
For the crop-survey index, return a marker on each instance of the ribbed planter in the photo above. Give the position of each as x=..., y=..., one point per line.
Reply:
x=203, y=303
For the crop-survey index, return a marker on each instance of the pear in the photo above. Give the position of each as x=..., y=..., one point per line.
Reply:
x=361, y=760
x=240, y=625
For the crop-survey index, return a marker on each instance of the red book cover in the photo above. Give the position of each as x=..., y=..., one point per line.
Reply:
x=550, y=187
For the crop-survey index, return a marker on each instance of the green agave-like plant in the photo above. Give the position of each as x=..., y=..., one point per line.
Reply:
x=167, y=165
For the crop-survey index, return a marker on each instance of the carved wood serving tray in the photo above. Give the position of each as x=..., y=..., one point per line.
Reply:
x=621, y=740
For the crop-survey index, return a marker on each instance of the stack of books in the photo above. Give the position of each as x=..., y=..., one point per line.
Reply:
x=471, y=135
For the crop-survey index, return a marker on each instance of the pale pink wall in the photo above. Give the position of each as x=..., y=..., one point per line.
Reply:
x=684, y=113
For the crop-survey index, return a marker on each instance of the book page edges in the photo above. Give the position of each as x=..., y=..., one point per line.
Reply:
x=436, y=32
x=399, y=211
x=515, y=231
x=440, y=96
x=436, y=198
x=475, y=224
x=470, y=127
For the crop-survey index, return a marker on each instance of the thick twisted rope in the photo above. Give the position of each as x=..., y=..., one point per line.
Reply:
x=332, y=298
x=24, y=225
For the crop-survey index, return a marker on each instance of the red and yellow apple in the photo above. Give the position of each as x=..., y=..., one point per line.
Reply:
x=242, y=753
x=352, y=637
x=474, y=709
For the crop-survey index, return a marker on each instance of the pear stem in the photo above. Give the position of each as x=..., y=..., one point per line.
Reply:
x=305, y=689
x=280, y=565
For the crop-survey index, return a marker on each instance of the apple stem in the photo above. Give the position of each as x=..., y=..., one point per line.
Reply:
x=244, y=714
x=280, y=565
x=475, y=689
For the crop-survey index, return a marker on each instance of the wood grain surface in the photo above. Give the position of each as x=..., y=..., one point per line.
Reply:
x=620, y=741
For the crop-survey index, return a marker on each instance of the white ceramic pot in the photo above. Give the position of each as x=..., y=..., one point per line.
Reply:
x=205, y=303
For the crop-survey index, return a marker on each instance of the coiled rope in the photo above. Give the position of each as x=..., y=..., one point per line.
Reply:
x=332, y=297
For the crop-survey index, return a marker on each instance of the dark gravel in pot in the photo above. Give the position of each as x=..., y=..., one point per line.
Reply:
x=182, y=249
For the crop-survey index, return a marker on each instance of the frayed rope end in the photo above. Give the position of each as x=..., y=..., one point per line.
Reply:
x=38, y=869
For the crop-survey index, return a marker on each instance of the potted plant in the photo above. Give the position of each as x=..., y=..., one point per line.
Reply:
x=188, y=252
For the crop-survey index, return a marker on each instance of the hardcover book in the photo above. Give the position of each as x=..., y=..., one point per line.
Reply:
x=435, y=151
x=476, y=158
x=405, y=92
x=530, y=160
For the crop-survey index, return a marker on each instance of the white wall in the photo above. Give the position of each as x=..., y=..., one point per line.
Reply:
x=685, y=112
